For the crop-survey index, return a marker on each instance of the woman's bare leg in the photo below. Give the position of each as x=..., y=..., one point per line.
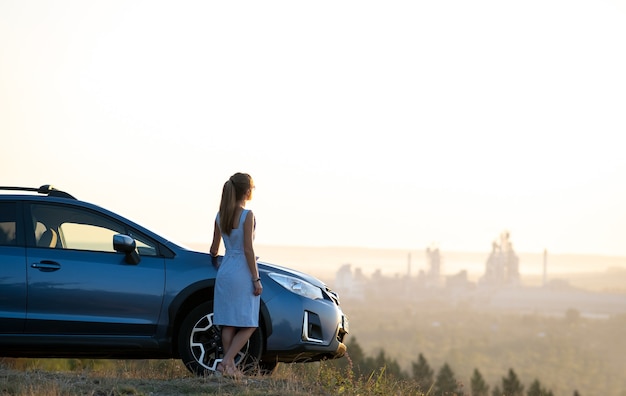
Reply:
x=228, y=332
x=241, y=336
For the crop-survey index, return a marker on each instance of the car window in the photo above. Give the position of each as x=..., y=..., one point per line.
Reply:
x=81, y=229
x=144, y=247
x=87, y=237
x=7, y=224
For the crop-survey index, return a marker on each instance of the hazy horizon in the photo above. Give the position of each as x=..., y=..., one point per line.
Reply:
x=324, y=261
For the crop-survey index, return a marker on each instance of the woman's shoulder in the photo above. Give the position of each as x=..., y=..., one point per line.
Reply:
x=248, y=216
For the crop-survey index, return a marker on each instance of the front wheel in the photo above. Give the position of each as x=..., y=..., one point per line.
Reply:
x=200, y=343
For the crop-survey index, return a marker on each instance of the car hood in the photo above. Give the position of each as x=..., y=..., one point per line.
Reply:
x=267, y=267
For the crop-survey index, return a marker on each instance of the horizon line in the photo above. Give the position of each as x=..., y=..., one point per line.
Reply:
x=399, y=249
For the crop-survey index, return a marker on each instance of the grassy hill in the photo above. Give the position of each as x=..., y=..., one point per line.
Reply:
x=170, y=378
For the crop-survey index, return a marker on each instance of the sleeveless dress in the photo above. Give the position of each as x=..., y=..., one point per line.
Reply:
x=234, y=302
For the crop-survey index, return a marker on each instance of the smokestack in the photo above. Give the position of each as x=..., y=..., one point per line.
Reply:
x=545, y=266
x=408, y=269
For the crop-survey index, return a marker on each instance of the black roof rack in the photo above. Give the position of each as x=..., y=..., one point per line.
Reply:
x=46, y=189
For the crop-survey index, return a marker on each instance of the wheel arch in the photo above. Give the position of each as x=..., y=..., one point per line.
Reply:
x=182, y=305
x=195, y=295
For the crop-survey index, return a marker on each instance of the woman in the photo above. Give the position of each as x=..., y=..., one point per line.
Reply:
x=237, y=286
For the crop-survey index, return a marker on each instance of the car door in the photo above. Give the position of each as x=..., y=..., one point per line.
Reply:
x=12, y=271
x=78, y=284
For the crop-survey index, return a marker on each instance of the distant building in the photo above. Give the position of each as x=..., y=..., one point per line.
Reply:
x=432, y=276
x=458, y=281
x=350, y=285
x=502, y=266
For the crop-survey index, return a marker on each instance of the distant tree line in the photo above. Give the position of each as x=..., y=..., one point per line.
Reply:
x=442, y=382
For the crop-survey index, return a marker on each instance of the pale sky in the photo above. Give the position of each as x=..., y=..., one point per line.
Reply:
x=391, y=124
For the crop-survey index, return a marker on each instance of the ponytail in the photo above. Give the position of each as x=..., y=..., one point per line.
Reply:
x=234, y=190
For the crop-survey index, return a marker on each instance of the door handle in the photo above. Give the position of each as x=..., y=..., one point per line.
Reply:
x=46, y=266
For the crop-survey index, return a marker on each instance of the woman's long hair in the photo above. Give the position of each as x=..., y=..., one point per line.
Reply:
x=235, y=189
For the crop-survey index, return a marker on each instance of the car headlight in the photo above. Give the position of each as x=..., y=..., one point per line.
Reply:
x=298, y=286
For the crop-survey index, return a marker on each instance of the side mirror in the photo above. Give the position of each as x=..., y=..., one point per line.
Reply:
x=125, y=244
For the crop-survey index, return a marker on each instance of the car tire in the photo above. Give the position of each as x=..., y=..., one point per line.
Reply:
x=200, y=343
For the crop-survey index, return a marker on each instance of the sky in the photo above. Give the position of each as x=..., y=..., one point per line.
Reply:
x=382, y=124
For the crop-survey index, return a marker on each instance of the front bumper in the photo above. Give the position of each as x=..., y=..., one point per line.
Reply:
x=317, y=334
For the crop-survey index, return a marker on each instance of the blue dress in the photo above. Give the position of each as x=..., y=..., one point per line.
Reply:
x=234, y=302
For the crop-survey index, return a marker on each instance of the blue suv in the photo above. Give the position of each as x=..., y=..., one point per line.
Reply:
x=77, y=280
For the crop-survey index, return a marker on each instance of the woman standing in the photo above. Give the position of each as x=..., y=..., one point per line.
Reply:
x=237, y=286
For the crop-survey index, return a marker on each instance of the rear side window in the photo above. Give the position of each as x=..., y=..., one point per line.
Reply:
x=8, y=215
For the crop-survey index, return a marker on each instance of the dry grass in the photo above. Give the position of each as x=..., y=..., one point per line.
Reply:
x=161, y=378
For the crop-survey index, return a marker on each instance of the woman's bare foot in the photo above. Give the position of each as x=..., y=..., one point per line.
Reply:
x=233, y=372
